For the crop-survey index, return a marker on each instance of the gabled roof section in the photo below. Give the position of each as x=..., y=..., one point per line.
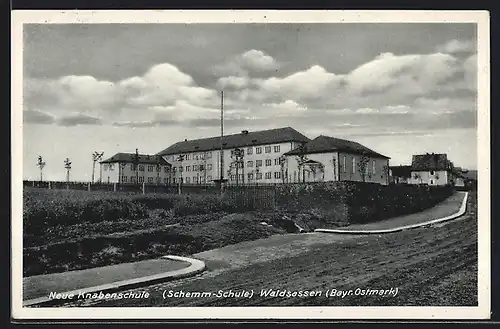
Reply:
x=323, y=144
x=243, y=139
x=401, y=171
x=430, y=161
x=143, y=159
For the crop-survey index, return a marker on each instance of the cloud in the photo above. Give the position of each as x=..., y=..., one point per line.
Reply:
x=470, y=67
x=311, y=83
x=406, y=74
x=457, y=46
x=135, y=124
x=78, y=119
x=251, y=61
x=34, y=116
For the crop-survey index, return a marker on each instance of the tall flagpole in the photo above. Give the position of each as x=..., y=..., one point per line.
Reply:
x=221, y=143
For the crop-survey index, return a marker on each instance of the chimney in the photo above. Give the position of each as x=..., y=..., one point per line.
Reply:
x=185, y=140
x=244, y=132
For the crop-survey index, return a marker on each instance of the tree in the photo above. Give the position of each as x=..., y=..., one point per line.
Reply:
x=96, y=156
x=301, y=159
x=282, y=160
x=67, y=165
x=363, y=166
x=41, y=164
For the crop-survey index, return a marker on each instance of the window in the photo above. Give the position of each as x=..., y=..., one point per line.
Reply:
x=242, y=177
x=268, y=162
x=249, y=150
x=209, y=166
x=258, y=163
x=250, y=176
x=195, y=179
x=432, y=182
x=141, y=167
x=268, y=149
x=249, y=164
x=105, y=167
x=240, y=164
x=373, y=167
x=276, y=148
x=344, y=164
x=187, y=157
x=277, y=175
x=209, y=178
x=158, y=180
x=141, y=179
x=174, y=169
x=158, y=168
x=165, y=180
x=132, y=167
x=258, y=176
x=132, y=179
x=353, y=165
x=209, y=155
x=188, y=168
x=150, y=179
x=258, y=150
x=195, y=167
x=111, y=167
x=181, y=169
x=202, y=156
x=166, y=169
x=432, y=173
x=124, y=179
x=233, y=177
x=277, y=162
x=188, y=180
x=268, y=175
x=150, y=168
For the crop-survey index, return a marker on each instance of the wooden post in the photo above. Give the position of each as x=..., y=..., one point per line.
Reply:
x=114, y=187
x=143, y=188
x=33, y=183
x=88, y=186
x=49, y=185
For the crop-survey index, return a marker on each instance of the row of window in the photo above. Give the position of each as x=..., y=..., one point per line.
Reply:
x=194, y=180
x=343, y=167
x=258, y=176
x=249, y=151
x=197, y=156
x=267, y=149
x=141, y=179
x=193, y=168
x=151, y=168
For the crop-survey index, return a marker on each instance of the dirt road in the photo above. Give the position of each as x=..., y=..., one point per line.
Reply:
x=433, y=266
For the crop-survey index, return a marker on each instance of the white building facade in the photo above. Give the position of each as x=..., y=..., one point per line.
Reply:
x=199, y=161
x=121, y=168
x=332, y=159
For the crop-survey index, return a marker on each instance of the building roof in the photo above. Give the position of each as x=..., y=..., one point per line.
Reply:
x=323, y=144
x=401, y=171
x=130, y=158
x=430, y=161
x=245, y=138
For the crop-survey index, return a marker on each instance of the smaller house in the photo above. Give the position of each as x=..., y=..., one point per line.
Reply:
x=431, y=169
x=135, y=168
x=399, y=174
x=333, y=159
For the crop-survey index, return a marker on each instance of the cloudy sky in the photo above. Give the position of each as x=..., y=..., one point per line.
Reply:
x=399, y=89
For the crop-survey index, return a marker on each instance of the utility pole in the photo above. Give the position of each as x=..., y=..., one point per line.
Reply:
x=221, y=142
x=96, y=156
x=67, y=165
x=41, y=165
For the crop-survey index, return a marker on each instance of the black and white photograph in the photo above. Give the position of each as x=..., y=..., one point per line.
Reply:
x=250, y=164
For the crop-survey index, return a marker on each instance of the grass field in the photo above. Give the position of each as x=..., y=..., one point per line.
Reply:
x=433, y=266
